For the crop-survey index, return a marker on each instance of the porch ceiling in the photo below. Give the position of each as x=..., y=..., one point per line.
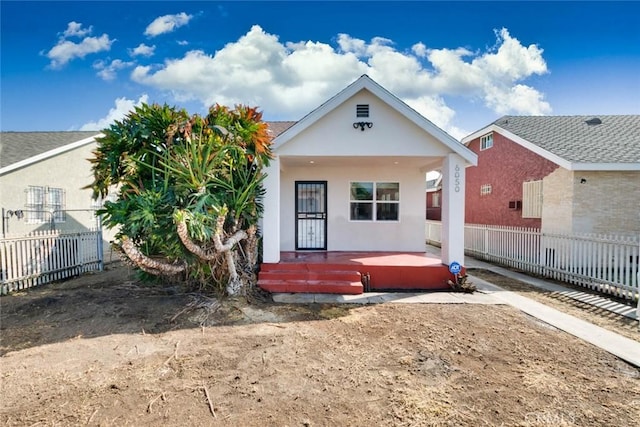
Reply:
x=427, y=163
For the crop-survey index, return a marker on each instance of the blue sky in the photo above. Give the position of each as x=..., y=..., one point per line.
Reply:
x=80, y=65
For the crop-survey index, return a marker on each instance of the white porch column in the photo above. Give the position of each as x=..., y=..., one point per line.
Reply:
x=453, y=179
x=271, y=215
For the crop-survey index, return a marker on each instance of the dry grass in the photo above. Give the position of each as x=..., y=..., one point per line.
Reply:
x=617, y=323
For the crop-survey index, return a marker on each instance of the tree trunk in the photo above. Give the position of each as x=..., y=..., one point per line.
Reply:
x=147, y=264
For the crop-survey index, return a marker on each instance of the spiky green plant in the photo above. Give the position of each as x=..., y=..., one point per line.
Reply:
x=188, y=191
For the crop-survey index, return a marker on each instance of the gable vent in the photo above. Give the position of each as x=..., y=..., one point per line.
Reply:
x=593, y=122
x=362, y=110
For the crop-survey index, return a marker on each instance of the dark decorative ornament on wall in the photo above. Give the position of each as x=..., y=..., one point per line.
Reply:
x=362, y=125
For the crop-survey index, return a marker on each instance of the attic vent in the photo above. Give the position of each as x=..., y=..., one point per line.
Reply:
x=593, y=122
x=362, y=110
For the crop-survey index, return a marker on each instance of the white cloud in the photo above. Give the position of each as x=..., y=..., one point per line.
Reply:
x=512, y=60
x=108, y=71
x=436, y=110
x=66, y=50
x=75, y=29
x=288, y=79
x=420, y=50
x=122, y=107
x=182, y=42
x=142, y=50
x=349, y=44
x=518, y=99
x=167, y=23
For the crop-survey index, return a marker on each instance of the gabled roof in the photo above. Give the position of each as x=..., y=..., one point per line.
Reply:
x=276, y=128
x=19, y=149
x=365, y=82
x=605, y=142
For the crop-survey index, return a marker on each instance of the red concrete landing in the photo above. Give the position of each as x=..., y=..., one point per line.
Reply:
x=341, y=272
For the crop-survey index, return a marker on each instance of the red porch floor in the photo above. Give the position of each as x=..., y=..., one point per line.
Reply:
x=342, y=272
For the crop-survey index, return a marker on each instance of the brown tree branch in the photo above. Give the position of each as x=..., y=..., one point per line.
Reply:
x=147, y=264
x=191, y=246
x=231, y=241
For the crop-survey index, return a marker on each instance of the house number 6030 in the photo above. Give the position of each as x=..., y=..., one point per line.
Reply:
x=456, y=180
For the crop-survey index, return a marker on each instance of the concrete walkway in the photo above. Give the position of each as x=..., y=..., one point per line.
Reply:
x=600, y=301
x=488, y=293
x=395, y=297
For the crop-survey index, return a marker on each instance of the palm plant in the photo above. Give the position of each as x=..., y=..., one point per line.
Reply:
x=188, y=192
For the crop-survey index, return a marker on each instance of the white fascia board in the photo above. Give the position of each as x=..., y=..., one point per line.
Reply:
x=365, y=82
x=550, y=156
x=536, y=149
x=48, y=154
x=318, y=113
x=426, y=125
x=614, y=167
x=520, y=141
x=477, y=134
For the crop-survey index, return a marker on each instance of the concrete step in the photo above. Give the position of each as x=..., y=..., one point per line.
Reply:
x=349, y=276
x=311, y=286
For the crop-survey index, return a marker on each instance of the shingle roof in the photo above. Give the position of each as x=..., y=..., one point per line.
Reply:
x=18, y=146
x=276, y=128
x=615, y=140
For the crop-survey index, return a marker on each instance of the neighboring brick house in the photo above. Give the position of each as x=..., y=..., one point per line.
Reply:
x=434, y=199
x=578, y=174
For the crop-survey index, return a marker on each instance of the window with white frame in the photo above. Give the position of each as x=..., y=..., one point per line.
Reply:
x=435, y=200
x=486, y=141
x=532, y=199
x=485, y=189
x=45, y=204
x=374, y=201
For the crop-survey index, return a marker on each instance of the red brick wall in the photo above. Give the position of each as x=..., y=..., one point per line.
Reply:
x=434, y=213
x=505, y=166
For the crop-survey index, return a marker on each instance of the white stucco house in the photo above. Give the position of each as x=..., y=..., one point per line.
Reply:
x=350, y=176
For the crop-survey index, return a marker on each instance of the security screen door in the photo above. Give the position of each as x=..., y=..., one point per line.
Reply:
x=311, y=215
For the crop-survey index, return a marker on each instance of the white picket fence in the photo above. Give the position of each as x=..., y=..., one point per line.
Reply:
x=606, y=263
x=46, y=256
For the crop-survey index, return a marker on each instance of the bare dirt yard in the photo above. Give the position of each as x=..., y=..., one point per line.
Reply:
x=106, y=350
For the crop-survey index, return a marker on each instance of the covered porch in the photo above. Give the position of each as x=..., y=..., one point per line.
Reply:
x=348, y=180
x=353, y=272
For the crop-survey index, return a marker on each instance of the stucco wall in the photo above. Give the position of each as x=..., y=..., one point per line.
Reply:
x=70, y=171
x=391, y=135
x=505, y=166
x=345, y=235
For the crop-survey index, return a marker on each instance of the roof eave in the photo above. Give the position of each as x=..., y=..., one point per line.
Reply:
x=605, y=167
x=518, y=140
x=48, y=154
x=365, y=82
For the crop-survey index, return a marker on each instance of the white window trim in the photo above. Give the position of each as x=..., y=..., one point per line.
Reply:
x=485, y=189
x=484, y=145
x=374, y=202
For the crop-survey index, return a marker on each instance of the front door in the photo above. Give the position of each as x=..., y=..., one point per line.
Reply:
x=311, y=215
